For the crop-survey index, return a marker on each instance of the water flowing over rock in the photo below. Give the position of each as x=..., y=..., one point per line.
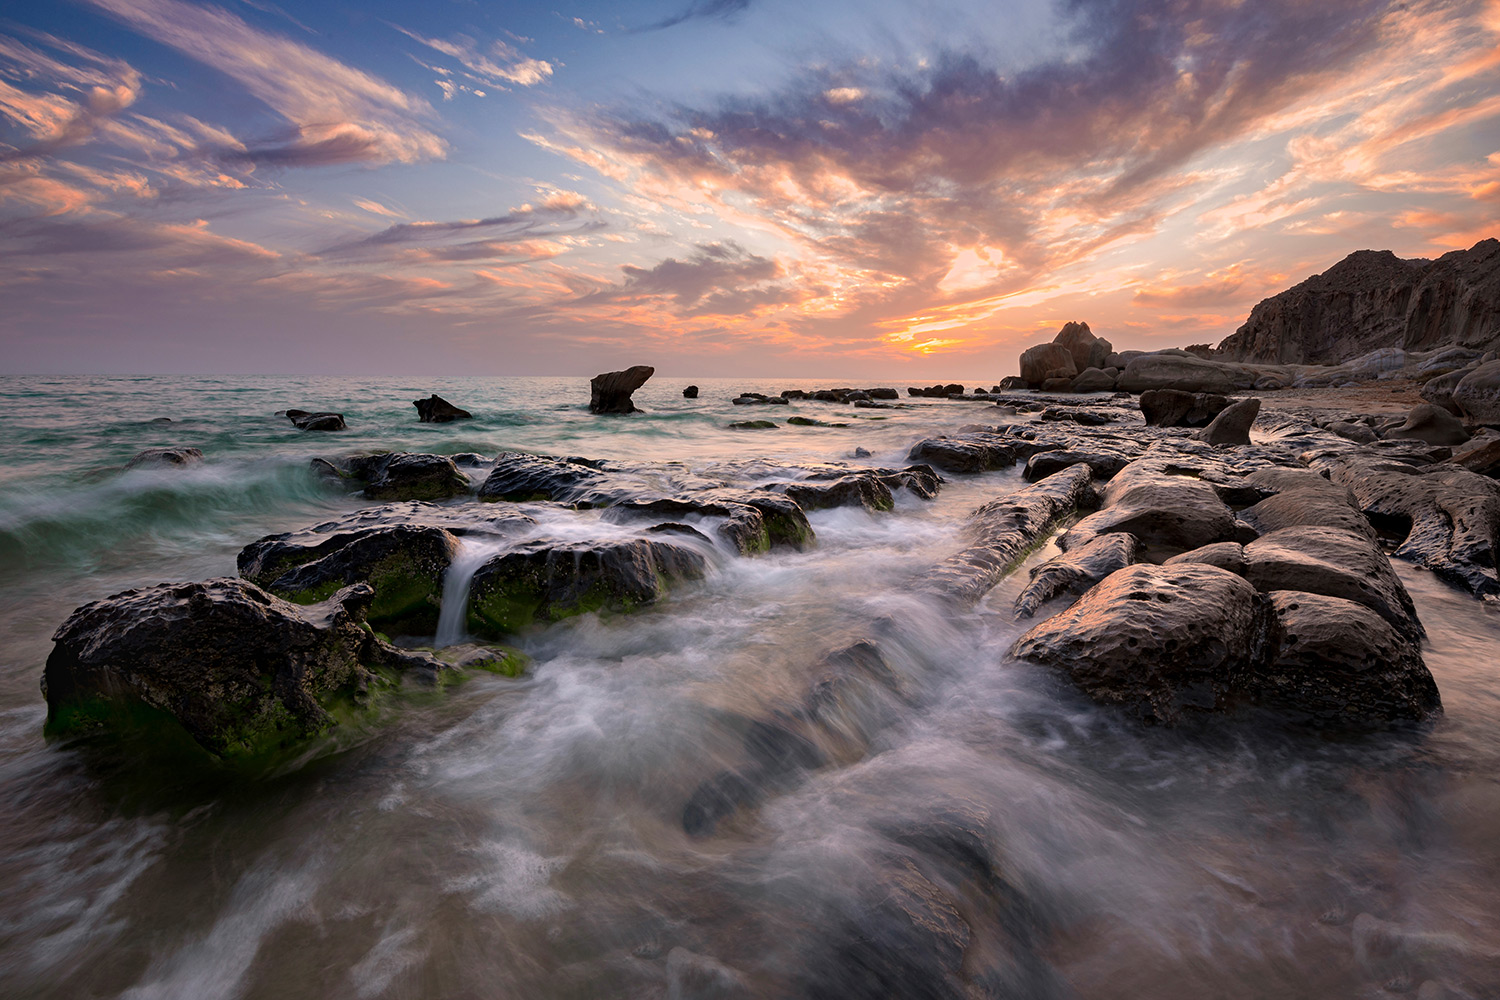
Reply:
x=610, y=392
x=437, y=410
x=1077, y=570
x=244, y=673
x=160, y=458
x=1374, y=299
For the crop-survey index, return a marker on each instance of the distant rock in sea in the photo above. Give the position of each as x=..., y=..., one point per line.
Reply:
x=437, y=410
x=610, y=392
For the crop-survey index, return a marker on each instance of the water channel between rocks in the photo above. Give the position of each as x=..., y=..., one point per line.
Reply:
x=526, y=838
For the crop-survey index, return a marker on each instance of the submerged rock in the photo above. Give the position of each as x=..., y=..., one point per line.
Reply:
x=164, y=458
x=244, y=673
x=437, y=410
x=322, y=421
x=610, y=392
x=548, y=580
x=754, y=520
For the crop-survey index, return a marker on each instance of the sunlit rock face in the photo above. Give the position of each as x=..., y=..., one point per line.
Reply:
x=1373, y=299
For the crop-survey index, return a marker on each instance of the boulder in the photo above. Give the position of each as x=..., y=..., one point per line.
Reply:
x=1333, y=662
x=1430, y=423
x=404, y=476
x=1477, y=394
x=1308, y=506
x=161, y=458
x=857, y=490
x=322, y=421
x=1335, y=563
x=691, y=392
x=1046, y=361
x=243, y=673
x=754, y=520
x=548, y=580
x=1439, y=390
x=1225, y=555
x=1480, y=454
x=610, y=392
x=1168, y=371
x=1092, y=380
x=1087, y=350
x=973, y=452
x=1176, y=408
x=1060, y=384
x=1105, y=465
x=753, y=425
x=1159, y=641
x=1358, y=433
x=1168, y=514
x=1076, y=570
x=437, y=410
x=1232, y=425
x=1012, y=382
x=518, y=477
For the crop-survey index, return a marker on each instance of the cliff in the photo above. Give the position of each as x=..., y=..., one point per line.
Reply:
x=1373, y=299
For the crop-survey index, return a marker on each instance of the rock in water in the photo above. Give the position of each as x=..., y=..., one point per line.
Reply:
x=243, y=672
x=610, y=392
x=691, y=392
x=437, y=410
x=163, y=457
x=1232, y=425
x=405, y=476
x=316, y=421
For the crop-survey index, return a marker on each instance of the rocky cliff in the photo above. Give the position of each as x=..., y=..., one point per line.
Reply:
x=1373, y=299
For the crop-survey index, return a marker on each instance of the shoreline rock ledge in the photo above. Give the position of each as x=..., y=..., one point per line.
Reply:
x=610, y=392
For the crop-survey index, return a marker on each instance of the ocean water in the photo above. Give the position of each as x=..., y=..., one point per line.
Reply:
x=524, y=838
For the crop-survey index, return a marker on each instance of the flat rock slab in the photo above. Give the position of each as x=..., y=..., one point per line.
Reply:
x=243, y=672
x=976, y=452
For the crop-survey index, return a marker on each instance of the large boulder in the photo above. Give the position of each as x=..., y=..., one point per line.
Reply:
x=518, y=477
x=610, y=392
x=404, y=476
x=1176, y=408
x=1087, y=350
x=1157, y=640
x=1439, y=389
x=1045, y=361
x=754, y=521
x=976, y=451
x=437, y=410
x=548, y=580
x=244, y=673
x=1232, y=425
x=1432, y=424
x=1176, y=371
x=1168, y=514
x=1477, y=394
x=1092, y=380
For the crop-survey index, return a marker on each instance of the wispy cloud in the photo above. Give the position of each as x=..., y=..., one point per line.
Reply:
x=718, y=10
x=335, y=113
x=502, y=64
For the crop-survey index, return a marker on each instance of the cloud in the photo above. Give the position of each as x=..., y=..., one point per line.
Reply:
x=718, y=279
x=335, y=113
x=711, y=10
x=558, y=213
x=516, y=68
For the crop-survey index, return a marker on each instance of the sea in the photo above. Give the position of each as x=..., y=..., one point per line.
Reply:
x=524, y=837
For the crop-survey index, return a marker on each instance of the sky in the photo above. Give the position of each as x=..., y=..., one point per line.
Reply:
x=714, y=187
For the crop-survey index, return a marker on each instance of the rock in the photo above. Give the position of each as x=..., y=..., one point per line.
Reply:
x=1477, y=394
x=1063, y=384
x=1308, y=506
x=1087, y=350
x=1430, y=423
x=1011, y=383
x=1439, y=391
x=756, y=399
x=401, y=550
x=691, y=392
x=545, y=580
x=518, y=477
x=1373, y=299
x=1335, y=563
x=883, y=392
x=1358, y=433
x=1078, y=415
x=753, y=425
x=1335, y=663
x=976, y=452
x=922, y=480
x=405, y=476
x=244, y=673
x=1168, y=514
x=164, y=458
x=1450, y=517
x=1159, y=641
x=1175, y=408
x=861, y=452
x=1004, y=530
x=859, y=490
x=1076, y=570
x=610, y=392
x=1104, y=465
x=754, y=520
x=1225, y=555
x=316, y=421
x=437, y=410
x=1092, y=380
x=810, y=422
x=1480, y=454
x=1164, y=371
x=1046, y=361
x=1232, y=425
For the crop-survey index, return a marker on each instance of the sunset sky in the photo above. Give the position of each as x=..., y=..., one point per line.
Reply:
x=714, y=187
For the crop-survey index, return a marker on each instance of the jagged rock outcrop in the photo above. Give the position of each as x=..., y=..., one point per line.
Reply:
x=437, y=410
x=1373, y=299
x=610, y=392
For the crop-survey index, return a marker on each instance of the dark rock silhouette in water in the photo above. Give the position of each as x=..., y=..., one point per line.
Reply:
x=306, y=421
x=437, y=410
x=610, y=392
x=691, y=392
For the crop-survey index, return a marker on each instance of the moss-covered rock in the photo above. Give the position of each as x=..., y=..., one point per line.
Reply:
x=243, y=673
x=545, y=581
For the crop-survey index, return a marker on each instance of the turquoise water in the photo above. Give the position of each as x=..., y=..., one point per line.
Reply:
x=523, y=838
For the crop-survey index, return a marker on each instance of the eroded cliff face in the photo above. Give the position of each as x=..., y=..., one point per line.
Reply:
x=1373, y=299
